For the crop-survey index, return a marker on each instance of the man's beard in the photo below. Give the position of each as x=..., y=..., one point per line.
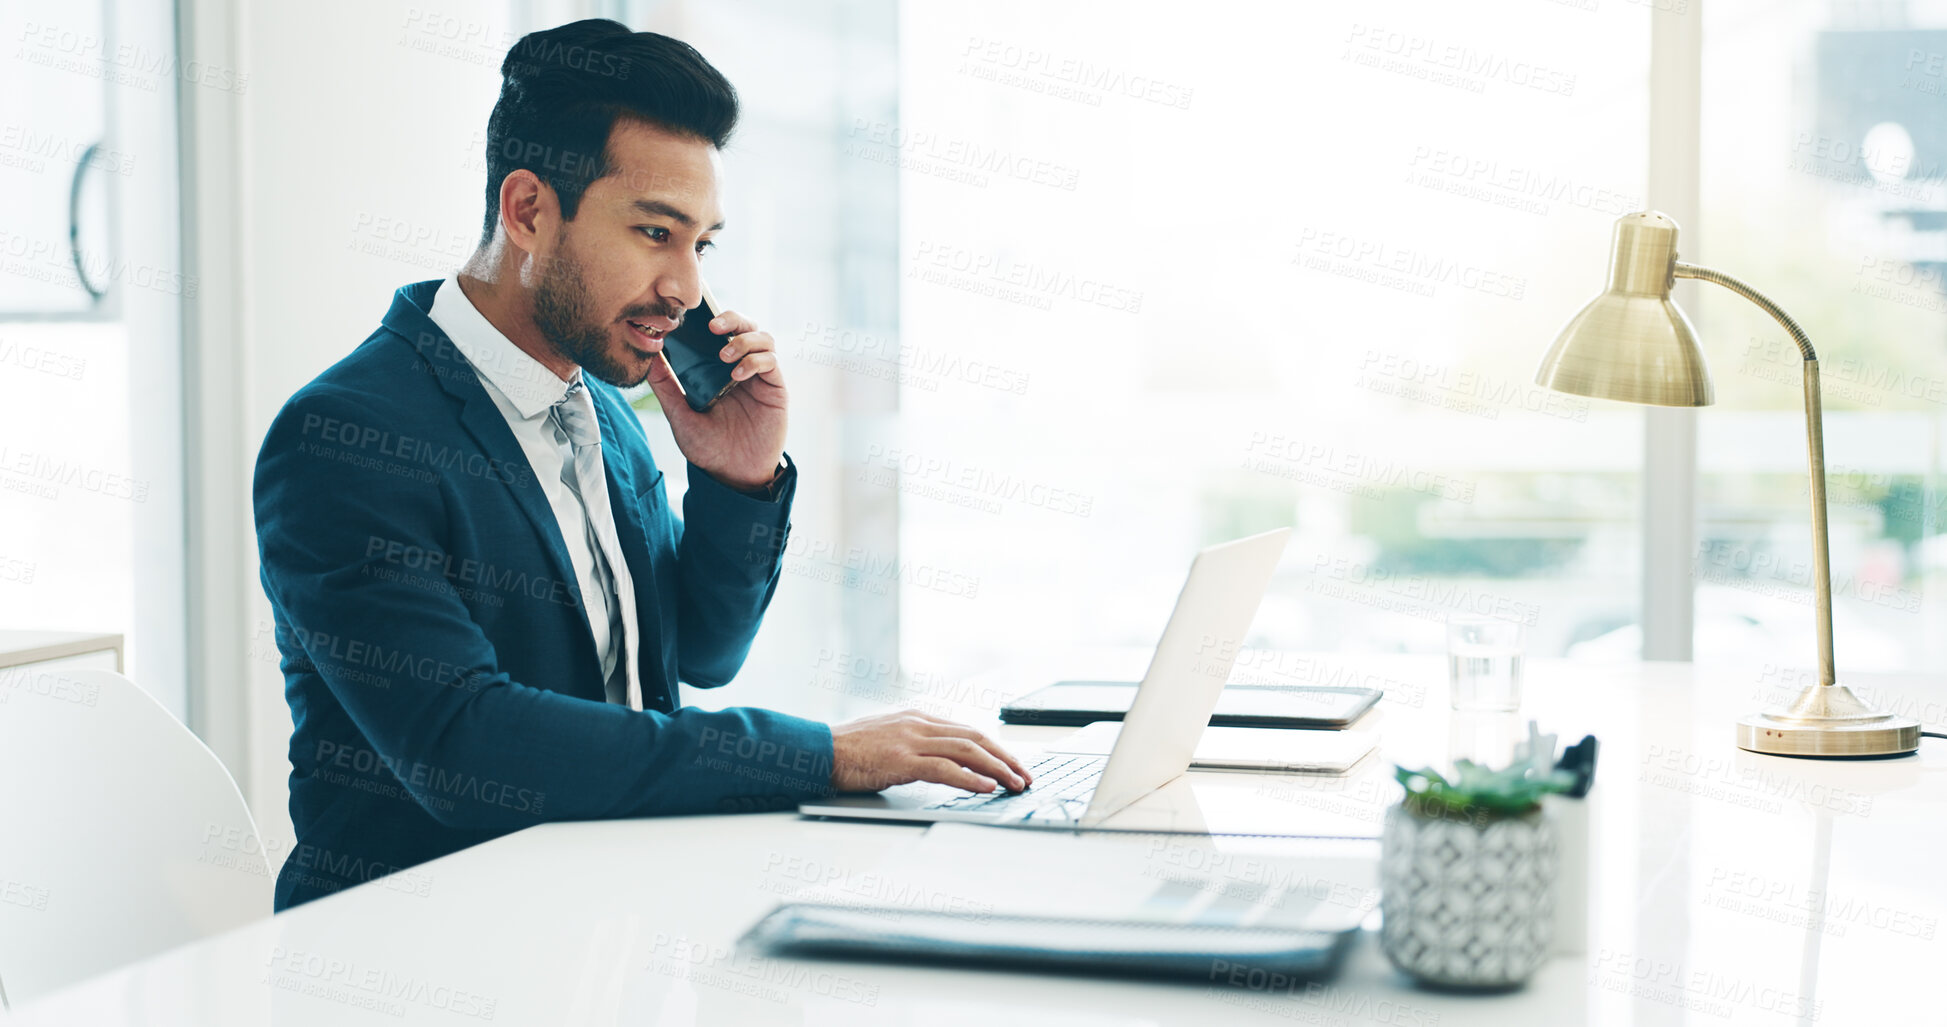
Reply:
x=561, y=312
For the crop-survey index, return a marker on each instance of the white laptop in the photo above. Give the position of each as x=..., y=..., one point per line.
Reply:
x=1172, y=706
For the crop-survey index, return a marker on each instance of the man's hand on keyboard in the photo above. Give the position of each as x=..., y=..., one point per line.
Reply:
x=900, y=748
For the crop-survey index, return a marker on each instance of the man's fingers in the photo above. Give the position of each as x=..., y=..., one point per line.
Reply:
x=949, y=728
x=753, y=365
x=730, y=323
x=941, y=770
x=746, y=344
x=972, y=756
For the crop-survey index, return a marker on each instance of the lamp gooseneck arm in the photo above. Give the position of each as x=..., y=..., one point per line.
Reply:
x=1683, y=270
x=1815, y=449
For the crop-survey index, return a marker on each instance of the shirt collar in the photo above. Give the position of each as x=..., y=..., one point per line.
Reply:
x=526, y=382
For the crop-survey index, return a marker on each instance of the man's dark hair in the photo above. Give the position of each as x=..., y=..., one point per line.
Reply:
x=563, y=88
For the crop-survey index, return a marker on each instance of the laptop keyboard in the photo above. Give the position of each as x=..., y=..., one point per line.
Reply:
x=1062, y=783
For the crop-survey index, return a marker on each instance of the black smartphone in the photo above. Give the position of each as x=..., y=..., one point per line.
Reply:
x=692, y=351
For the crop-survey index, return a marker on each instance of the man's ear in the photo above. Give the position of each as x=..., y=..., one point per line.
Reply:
x=529, y=209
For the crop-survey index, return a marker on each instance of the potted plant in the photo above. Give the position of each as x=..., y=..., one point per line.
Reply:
x=1467, y=870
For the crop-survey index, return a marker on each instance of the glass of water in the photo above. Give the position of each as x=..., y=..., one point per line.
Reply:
x=1483, y=663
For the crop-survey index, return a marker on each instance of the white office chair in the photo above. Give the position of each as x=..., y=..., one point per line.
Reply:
x=121, y=834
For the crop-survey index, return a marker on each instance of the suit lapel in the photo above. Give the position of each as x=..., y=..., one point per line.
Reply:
x=484, y=421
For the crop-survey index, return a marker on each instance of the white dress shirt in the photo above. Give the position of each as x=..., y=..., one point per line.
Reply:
x=525, y=390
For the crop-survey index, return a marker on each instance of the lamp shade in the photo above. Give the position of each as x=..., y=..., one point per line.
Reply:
x=1632, y=343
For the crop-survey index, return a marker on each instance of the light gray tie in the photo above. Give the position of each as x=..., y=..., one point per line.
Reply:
x=574, y=425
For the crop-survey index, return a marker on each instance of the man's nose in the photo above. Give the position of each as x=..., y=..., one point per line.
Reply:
x=682, y=285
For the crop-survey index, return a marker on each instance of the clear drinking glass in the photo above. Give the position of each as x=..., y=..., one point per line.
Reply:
x=1484, y=663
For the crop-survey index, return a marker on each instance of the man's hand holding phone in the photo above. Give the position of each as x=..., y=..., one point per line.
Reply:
x=739, y=440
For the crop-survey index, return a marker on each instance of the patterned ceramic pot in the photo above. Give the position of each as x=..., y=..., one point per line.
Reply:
x=1467, y=900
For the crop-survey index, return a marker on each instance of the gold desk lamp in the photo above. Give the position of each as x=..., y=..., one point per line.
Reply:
x=1633, y=344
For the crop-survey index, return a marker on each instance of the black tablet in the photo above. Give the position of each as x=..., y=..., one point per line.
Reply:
x=1084, y=702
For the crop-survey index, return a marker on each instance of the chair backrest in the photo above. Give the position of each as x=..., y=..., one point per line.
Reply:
x=121, y=835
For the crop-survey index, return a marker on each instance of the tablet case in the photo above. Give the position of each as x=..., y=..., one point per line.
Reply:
x=1190, y=951
x=1046, y=706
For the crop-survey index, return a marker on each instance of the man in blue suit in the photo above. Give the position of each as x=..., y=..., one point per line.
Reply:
x=483, y=599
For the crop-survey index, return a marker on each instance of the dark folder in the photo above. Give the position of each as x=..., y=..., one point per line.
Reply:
x=1047, y=944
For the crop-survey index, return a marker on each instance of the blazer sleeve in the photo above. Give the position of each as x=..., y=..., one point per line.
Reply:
x=317, y=511
x=730, y=552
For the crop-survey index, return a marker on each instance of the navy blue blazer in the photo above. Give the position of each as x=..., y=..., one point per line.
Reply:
x=441, y=673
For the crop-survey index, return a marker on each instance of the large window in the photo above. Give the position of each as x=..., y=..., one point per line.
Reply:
x=1825, y=184
x=1161, y=281
x=1169, y=280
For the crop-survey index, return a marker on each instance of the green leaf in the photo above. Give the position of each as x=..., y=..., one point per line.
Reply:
x=1478, y=789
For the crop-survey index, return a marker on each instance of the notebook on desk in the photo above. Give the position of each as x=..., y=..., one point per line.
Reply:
x=1245, y=749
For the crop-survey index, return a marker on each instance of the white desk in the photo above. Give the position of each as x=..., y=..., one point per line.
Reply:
x=1711, y=865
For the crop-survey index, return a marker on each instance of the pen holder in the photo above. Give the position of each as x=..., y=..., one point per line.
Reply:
x=1466, y=895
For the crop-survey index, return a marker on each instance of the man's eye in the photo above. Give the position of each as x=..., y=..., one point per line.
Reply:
x=656, y=232
x=703, y=244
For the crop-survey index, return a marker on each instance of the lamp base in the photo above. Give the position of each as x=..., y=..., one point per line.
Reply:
x=1829, y=721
